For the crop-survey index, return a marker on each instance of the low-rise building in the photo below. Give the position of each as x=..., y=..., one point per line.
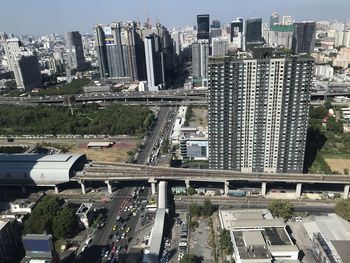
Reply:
x=8, y=242
x=257, y=237
x=330, y=244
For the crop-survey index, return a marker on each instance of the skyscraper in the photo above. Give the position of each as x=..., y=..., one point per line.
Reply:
x=154, y=62
x=274, y=19
x=75, y=51
x=258, y=113
x=203, y=26
x=236, y=30
x=304, y=37
x=219, y=47
x=215, y=24
x=120, y=51
x=200, y=55
x=24, y=64
x=253, y=34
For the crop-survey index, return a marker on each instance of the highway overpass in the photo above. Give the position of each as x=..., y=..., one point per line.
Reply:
x=112, y=172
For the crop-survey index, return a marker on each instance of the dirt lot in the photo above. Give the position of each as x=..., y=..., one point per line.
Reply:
x=338, y=164
x=200, y=117
x=117, y=153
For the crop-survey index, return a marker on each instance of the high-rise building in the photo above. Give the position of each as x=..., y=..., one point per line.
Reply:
x=274, y=19
x=200, y=55
x=24, y=64
x=237, y=32
x=219, y=46
x=279, y=35
x=215, y=24
x=203, y=26
x=258, y=113
x=304, y=37
x=287, y=21
x=154, y=63
x=120, y=51
x=253, y=35
x=75, y=51
x=27, y=73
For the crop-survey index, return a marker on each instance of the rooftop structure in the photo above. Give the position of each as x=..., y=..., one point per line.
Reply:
x=329, y=244
x=257, y=237
x=85, y=214
x=39, y=169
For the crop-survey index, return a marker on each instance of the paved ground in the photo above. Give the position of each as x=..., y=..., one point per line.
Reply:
x=199, y=242
x=302, y=241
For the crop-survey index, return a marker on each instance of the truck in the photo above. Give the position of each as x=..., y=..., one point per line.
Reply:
x=237, y=193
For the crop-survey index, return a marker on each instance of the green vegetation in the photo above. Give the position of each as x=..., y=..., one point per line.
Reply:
x=206, y=210
x=281, y=208
x=343, y=209
x=189, y=258
x=87, y=119
x=51, y=216
x=321, y=142
x=166, y=146
x=226, y=245
x=75, y=87
x=191, y=191
x=189, y=115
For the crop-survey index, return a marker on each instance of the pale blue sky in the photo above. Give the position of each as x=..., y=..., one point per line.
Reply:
x=57, y=16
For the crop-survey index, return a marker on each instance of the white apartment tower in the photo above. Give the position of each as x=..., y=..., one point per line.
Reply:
x=258, y=113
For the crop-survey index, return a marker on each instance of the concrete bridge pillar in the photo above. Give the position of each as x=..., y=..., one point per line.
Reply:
x=56, y=189
x=298, y=190
x=263, y=188
x=83, y=189
x=153, y=186
x=187, y=183
x=346, y=192
x=109, y=187
x=226, y=187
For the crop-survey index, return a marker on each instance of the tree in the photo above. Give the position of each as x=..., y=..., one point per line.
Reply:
x=189, y=258
x=65, y=223
x=11, y=84
x=318, y=112
x=208, y=208
x=282, y=209
x=225, y=242
x=334, y=126
x=342, y=209
x=191, y=191
x=195, y=210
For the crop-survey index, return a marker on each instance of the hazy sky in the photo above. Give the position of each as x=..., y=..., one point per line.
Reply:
x=57, y=16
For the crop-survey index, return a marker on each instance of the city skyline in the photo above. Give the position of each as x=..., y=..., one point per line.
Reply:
x=83, y=15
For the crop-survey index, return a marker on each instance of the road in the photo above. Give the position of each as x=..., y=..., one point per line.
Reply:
x=243, y=203
x=108, y=236
x=143, y=156
x=92, y=254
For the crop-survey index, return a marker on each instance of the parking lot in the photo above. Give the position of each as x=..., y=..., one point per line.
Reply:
x=199, y=242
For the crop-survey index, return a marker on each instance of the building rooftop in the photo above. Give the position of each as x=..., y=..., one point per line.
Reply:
x=342, y=247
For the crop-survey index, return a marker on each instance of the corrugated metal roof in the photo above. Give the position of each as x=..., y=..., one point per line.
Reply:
x=36, y=169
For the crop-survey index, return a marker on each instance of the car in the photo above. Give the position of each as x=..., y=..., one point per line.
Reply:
x=128, y=229
x=106, y=254
x=118, y=217
x=110, y=237
x=88, y=241
x=83, y=248
x=123, y=236
x=115, y=227
x=103, y=251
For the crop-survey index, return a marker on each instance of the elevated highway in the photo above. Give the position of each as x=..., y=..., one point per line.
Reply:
x=108, y=172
